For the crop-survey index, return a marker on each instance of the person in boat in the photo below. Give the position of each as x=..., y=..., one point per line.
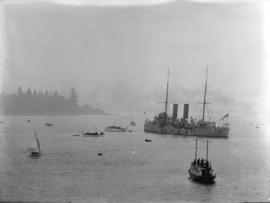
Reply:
x=207, y=164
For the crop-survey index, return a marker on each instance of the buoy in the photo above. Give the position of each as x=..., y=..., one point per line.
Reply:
x=99, y=154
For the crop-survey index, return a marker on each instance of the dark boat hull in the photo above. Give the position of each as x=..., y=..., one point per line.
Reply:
x=208, y=179
x=35, y=154
x=117, y=129
x=92, y=134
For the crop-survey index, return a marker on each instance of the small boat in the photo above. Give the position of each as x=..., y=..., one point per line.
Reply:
x=100, y=154
x=201, y=170
x=76, y=135
x=148, y=140
x=92, y=133
x=34, y=149
x=89, y=133
x=115, y=128
x=49, y=124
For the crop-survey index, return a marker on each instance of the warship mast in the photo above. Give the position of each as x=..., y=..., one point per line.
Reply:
x=204, y=97
x=167, y=92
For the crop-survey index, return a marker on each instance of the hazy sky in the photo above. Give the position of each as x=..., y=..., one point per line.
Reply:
x=117, y=56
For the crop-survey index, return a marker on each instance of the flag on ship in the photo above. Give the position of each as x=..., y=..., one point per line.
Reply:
x=225, y=116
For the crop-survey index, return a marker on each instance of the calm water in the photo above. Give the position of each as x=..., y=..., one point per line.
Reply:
x=130, y=169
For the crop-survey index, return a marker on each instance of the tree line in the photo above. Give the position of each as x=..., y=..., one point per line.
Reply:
x=39, y=102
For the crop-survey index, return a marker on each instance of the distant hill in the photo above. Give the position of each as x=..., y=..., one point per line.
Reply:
x=38, y=102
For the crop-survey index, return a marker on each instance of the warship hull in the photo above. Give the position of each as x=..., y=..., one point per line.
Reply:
x=155, y=127
x=221, y=132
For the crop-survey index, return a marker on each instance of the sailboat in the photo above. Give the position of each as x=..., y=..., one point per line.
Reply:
x=203, y=128
x=200, y=169
x=35, y=146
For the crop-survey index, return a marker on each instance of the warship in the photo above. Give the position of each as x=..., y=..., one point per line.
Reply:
x=165, y=124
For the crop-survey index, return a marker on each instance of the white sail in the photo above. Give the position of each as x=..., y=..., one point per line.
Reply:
x=35, y=146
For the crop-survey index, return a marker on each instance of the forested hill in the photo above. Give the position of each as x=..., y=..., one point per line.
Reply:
x=38, y=102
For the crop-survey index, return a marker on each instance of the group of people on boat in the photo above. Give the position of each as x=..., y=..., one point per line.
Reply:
x=202, y=163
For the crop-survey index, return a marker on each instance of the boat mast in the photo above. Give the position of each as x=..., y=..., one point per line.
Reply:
x=206, y=150
x=204, y=97
x=196, y=150
x=166, y=102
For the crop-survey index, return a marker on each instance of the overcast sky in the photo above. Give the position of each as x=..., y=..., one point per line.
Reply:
x=117, y=56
